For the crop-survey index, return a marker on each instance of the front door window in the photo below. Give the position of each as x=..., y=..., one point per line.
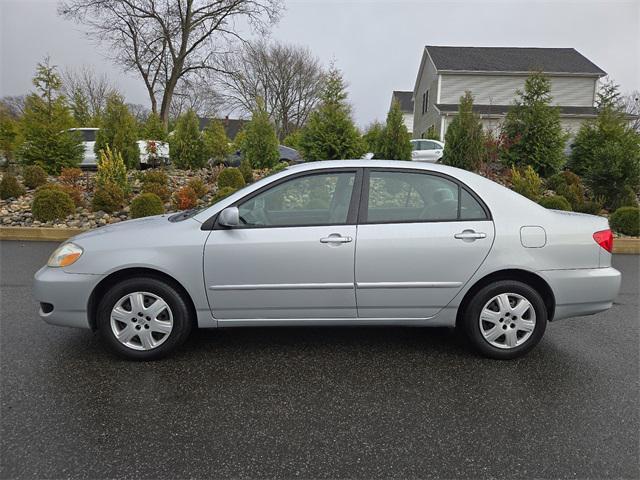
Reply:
x=321, y=199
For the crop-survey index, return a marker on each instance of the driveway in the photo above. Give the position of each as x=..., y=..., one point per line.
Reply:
x=316, y=402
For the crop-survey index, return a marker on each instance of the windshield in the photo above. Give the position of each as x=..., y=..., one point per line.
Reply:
x=88, y=135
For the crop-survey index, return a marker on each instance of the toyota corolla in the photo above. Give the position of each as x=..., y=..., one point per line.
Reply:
x=356, y=242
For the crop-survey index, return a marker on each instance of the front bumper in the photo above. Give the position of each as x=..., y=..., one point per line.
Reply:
x=68, y=293
x=583, y=291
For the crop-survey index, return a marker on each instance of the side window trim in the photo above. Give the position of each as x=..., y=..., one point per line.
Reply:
x=364, y=199
x=354, y=202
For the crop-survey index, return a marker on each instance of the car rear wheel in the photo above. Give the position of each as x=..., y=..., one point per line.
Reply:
x=505, y=319
x=143, y=318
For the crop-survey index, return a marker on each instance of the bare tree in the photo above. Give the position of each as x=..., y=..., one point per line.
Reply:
x=631, y=105
x=84, y=83
x=14, y=105
x=288, y=78
x=167, y=40
x=195, y=93
x=139, y=112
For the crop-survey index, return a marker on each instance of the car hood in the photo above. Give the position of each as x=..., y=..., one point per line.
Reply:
x=143, y=242
x=140, y=227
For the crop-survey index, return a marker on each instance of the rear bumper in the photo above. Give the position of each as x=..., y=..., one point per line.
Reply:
x=67, y=293
x=583, y=291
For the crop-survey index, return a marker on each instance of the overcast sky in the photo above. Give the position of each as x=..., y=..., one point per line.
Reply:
x=376, y=43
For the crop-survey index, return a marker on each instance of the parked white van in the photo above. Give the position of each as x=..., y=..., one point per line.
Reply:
x=152, y=152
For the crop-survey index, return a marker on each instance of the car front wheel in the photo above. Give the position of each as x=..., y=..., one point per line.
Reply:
x=505, y=319
x=143, y=318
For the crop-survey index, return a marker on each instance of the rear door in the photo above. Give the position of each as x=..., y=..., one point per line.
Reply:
x=433, y=151
x=421, y=236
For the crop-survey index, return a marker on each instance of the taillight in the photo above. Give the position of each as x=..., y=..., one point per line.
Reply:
x=604, y=238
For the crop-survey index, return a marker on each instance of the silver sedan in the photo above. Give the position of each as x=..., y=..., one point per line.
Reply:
x=357, y=242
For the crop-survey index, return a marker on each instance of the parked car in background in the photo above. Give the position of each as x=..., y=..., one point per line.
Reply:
x=419, y=244
x=88, y=135
x=423, y=150
x=287, y=154
x=152, y=152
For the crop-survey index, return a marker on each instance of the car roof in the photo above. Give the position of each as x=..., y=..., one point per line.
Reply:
x=373, y=163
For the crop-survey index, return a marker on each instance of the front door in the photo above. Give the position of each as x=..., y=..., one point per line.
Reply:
x=292, y=256
x=421, y=237
x=418, y=152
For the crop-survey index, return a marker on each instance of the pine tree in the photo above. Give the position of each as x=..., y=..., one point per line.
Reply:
x=606, y=152
x=432, y=133
x=118, y=129
x=45, y=123
x=153, y=129
x=260, y=145
x=372, y=137
x=238, y=141
x=293, y=140
x=330, y=133
x=609, y=96
x=464, y=140
x=186, y=145
x=394, y=142
x=216, y=141
x=8, y=133
x=533, y=130
x=80, y=109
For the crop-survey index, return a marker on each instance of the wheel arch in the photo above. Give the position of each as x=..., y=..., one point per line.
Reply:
x=533, y=280
x=114, y=277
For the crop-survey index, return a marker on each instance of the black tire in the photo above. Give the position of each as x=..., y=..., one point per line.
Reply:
x=471, y=317
x=179, y=308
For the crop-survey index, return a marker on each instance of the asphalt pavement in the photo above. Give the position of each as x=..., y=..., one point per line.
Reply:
x=316, y=402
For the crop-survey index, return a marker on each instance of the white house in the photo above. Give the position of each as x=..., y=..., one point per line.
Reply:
x=405, y=99
x=493, y=74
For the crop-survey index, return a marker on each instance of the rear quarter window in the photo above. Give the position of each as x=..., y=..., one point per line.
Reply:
x=470, y=208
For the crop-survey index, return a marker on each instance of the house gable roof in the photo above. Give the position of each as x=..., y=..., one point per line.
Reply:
x=511, y=60
x=231, y=125
x=405, y=99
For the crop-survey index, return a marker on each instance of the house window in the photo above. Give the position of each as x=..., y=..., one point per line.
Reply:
x=426, y=100
x=423, y=103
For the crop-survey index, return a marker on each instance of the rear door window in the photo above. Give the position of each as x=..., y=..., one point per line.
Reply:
x=400, y=197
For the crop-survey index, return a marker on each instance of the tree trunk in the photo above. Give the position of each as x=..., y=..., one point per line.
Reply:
x=166, y=102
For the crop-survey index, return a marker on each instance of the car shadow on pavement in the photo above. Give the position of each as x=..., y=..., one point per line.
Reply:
x=329, y=339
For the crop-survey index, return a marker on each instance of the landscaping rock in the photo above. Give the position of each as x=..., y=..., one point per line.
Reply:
x=17, y=211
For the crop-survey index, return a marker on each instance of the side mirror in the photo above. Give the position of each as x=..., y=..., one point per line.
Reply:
x=229, y=217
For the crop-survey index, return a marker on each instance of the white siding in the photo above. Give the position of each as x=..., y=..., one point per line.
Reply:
x=571, y=125
x=501, y=89
x=408, y=121
x=428, y=81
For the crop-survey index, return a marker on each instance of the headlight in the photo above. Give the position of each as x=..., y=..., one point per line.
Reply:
x=65, y=255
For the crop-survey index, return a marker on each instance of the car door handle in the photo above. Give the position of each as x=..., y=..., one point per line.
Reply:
x=469, y=235
x=336, y=238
